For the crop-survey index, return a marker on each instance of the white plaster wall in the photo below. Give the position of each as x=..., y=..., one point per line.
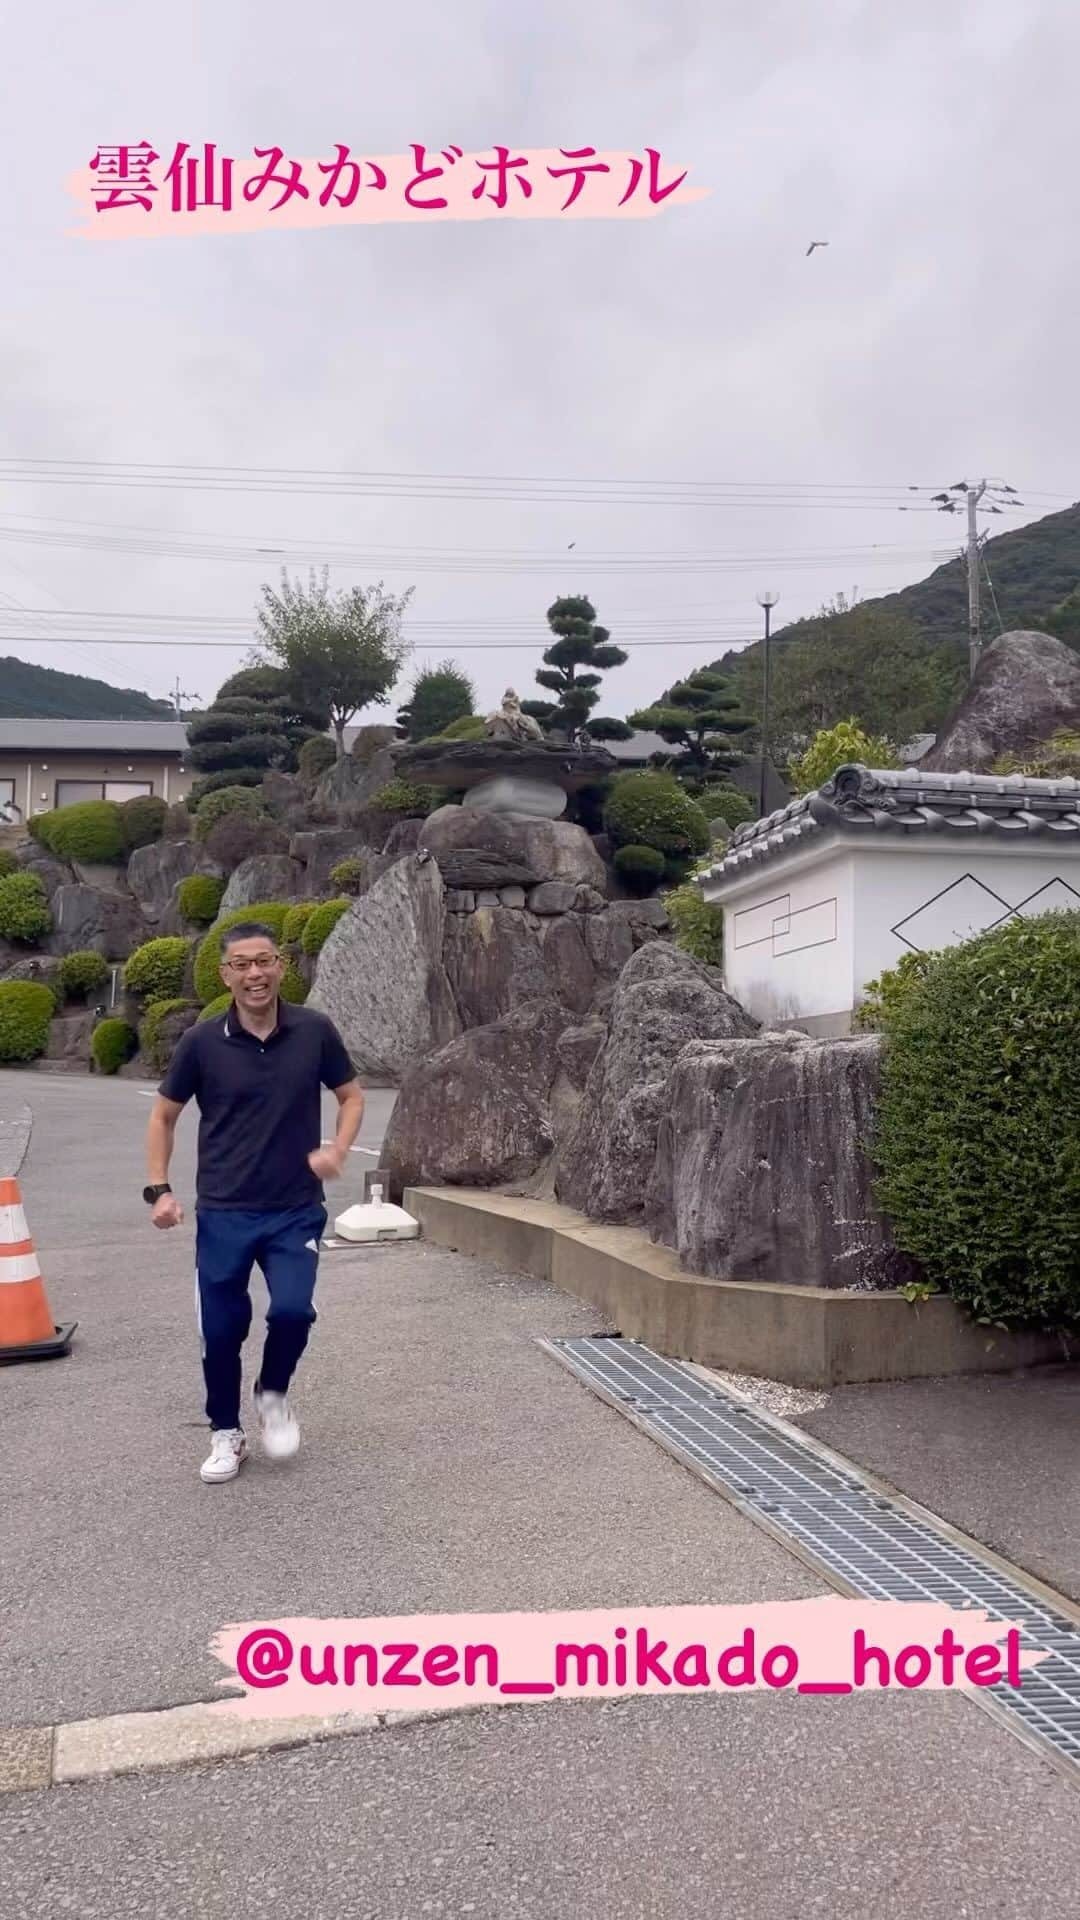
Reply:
x=789, y=941
x=937, y=898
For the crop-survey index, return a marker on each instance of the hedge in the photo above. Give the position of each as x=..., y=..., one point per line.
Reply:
x=150, y=1035
x=321, y=924
x=268, y=913
x=24, y=908
x=639, y=867
x=8, y=863
x=156, y=970
x=653, y=810
x=26, y=1008
x=199, y=897
x=112, y=1044
x=218, y=782
x=978, y=1129
x=82, y=972
x=143, y=819
x=214, y=1008
x=91, y=831
x=296, y=920
x=348, y=875
x=400, y=796
x=883, y=998
x=222, y=800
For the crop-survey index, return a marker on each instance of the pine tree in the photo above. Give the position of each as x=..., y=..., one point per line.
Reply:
x=439, y=696
x=700, y=717
x=579, y=644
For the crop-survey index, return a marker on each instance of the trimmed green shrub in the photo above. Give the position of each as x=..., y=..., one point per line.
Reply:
x=156, y=970
x=218, y=782
x=653, y=810
x=885, y=997
x=639, y=868
x=178, y=822
x=400, y=796
x=978, y=1125
x=471, y=726
x=82, y=973
x=268, y=913
x=727, y=804
x=295, y=921
x=91, y=831
x=151, y=1038
x=222, y=800
x=215, y=1008
x=316, y=756
x=698, y=926
x=199, y=897
x=321, y=924
x=293, y=986
x=348, y=876
x=26, y=1008
x=113, y=1043
x=8, y=863
x=24, y=908
x=143, y=819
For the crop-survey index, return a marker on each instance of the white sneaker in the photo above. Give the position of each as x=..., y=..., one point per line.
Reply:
x=228, y=1450
x=277, y=1425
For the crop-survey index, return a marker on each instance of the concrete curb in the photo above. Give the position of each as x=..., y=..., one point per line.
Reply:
x=124, y=1743
x=802, y=1336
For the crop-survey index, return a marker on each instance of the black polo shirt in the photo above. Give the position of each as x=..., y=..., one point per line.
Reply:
x=260, y=1106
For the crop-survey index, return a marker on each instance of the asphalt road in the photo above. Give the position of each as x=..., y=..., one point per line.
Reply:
x=447, y=1464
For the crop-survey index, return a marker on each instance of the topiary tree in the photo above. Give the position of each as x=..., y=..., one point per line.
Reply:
x=267, y=913
x=91, y=831
x=581, y=652
x=143, y=819
x=295, y=921
x=199, y=897
x=293, y=987
x=441, y=695
x=82, y=973
x=653, y=810
x=978, y=1122
x=26, y=1008
x=25, y=914
x=845, y=745
x=639, y=868
x=321, y=924
x=112, y=1044
x=349, y=875
x=157, y=1038
x=156, y=970
x=700, y=719
x=214, y=806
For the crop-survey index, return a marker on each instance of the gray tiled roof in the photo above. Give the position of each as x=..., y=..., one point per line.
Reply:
x=92, y=736
x=860, y=803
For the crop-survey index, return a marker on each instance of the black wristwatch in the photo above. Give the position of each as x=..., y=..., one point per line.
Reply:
x=153, y=1194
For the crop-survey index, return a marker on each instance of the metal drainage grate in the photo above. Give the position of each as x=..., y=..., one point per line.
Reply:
x=865, y=1541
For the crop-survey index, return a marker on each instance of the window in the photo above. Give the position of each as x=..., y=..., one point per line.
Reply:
x=70, y=792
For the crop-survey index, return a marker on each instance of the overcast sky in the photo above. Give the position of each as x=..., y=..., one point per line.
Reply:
x=932, y=340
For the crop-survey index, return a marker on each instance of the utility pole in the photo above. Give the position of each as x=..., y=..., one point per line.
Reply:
x=947, y=502
x=767, y=600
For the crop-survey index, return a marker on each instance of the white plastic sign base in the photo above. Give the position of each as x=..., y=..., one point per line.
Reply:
x=376, y=1221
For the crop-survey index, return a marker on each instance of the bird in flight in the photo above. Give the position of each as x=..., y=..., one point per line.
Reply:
x=813, y=244
x=573, y=543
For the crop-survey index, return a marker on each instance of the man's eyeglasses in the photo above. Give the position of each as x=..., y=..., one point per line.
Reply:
x=262, y=963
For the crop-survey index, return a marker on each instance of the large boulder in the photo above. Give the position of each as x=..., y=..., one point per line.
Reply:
x=761, y=1172
x=86, y=917
x=478, y=1113
x=318, y=852
x=17, y=964
x=663, y=1000
x=1025, y=688
x=491, y=850
x=69, y=1037
x=266, y=876
x=381, y=978
x=52, y=873
x=494, y=960
x=155, y=872
x=346, y=788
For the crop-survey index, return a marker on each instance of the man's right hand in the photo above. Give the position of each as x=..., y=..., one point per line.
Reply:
x=167, y=1211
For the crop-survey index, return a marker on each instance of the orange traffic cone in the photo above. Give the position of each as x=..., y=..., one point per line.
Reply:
x=27, y=1328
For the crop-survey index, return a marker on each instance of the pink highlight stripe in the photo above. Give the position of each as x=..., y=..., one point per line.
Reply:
x=527, y=1686
x=825, y=1686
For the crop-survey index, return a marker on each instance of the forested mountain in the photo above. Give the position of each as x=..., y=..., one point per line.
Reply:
x=44, y=693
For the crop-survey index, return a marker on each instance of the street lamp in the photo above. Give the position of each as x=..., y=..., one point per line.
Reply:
x=768, y=600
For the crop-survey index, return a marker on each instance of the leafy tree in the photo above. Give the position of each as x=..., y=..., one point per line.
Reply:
x=579, y=644
x=700, y=717
x=343, y=650
x=440, y=696
x=1063, y=620
x=844, y=745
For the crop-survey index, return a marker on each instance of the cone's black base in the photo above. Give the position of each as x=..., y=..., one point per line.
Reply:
x=40, y=1349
